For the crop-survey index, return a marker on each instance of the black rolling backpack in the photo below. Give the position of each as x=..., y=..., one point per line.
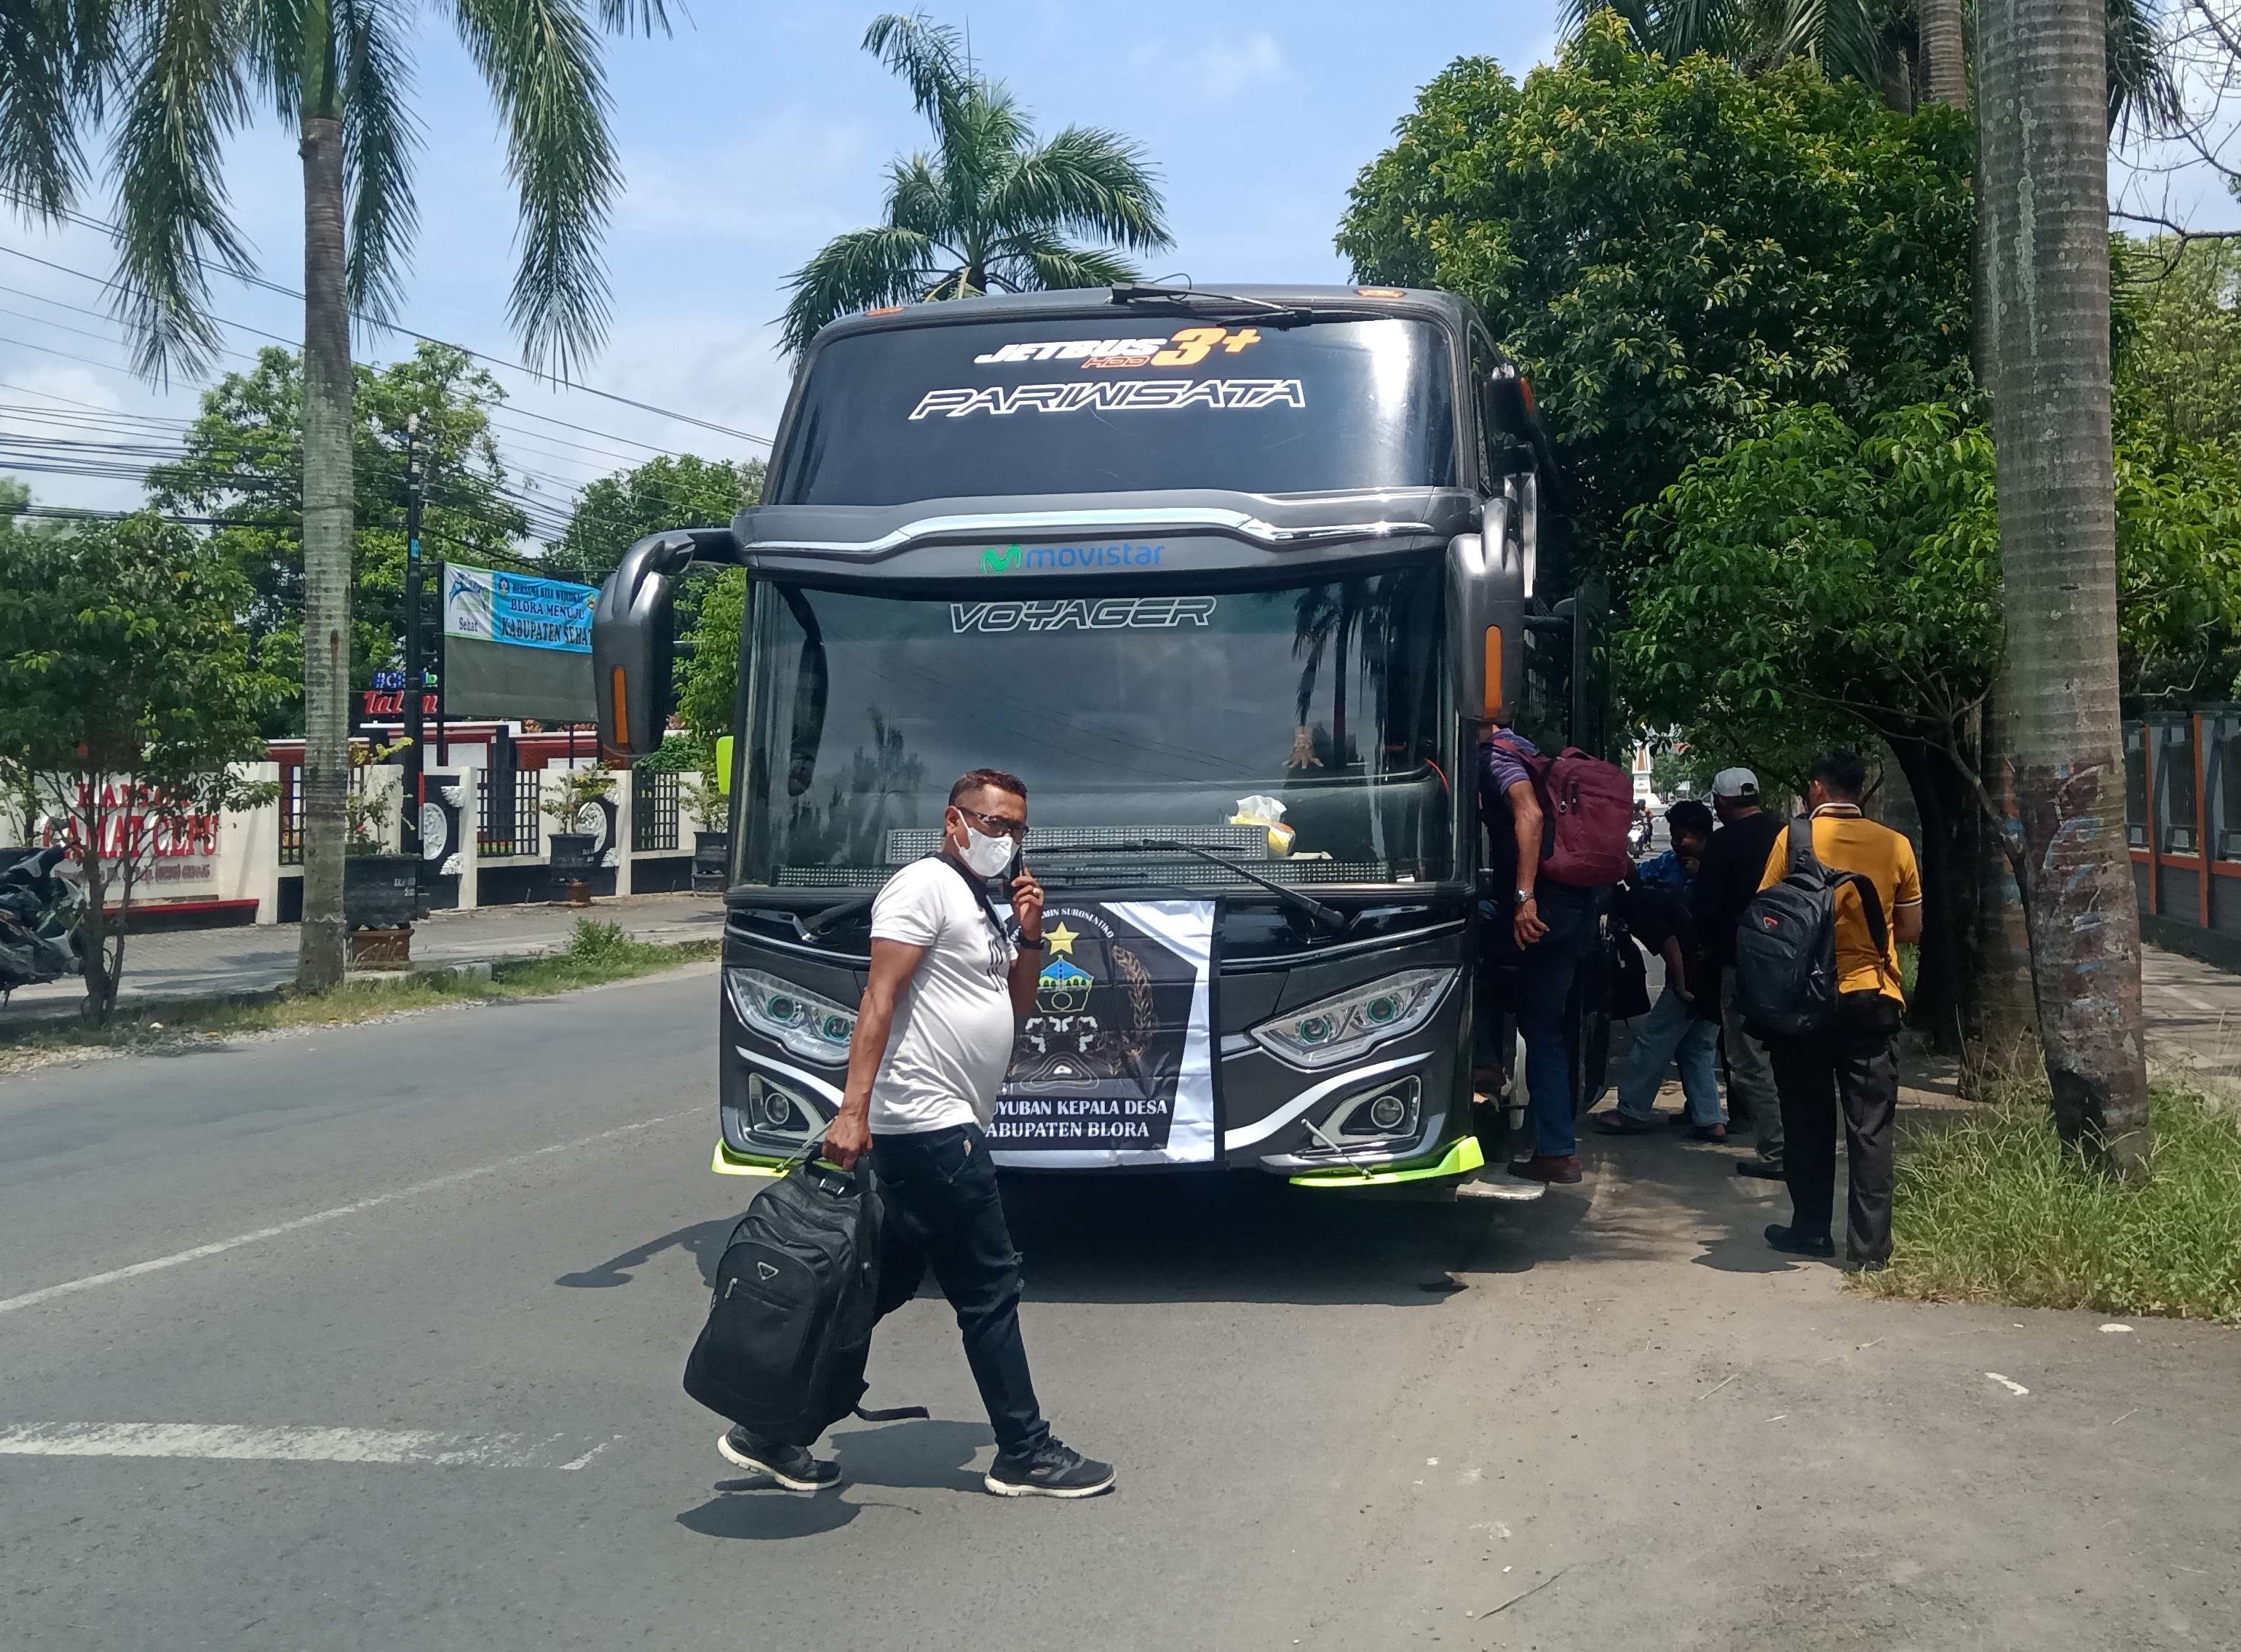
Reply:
x=797, y=1292
x=1786, y=945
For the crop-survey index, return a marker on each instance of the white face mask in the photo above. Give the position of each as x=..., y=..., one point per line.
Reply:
x=985, y=855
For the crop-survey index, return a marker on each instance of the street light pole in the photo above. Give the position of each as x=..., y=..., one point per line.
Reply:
x=415, y=688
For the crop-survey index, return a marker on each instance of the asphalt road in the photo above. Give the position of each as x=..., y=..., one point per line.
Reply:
x=370, y=1338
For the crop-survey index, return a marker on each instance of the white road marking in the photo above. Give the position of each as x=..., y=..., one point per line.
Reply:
x=236, y=1443
x=2191, y=1001
x=2011, y=1386
x=68, y=1287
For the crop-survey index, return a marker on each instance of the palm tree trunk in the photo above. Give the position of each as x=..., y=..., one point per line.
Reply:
x=1944, y=57
x=328, y=487
x=2045, y=206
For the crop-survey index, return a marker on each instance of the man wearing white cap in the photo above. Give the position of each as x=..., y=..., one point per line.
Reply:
x=1726, y=880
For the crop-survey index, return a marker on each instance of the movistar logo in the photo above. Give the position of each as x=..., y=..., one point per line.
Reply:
x=1037, y=558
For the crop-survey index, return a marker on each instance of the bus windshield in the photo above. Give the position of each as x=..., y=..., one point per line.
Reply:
x=1030, y=405
x=1147, y=714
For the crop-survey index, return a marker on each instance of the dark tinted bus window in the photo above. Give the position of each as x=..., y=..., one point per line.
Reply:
x=1121, y=404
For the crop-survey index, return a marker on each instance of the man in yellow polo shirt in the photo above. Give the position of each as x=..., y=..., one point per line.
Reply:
x=1854, y=1065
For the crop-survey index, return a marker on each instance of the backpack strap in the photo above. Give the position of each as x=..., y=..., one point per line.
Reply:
x=980, y=894
x=1802, y=855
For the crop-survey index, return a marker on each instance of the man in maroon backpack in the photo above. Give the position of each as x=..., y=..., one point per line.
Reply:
x=1539, y=930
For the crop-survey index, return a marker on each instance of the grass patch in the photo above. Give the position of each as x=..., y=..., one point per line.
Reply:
x=1993, y=1207
x=596, y=953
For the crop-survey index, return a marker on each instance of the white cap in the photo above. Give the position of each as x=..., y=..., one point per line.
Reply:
x=1735, y=783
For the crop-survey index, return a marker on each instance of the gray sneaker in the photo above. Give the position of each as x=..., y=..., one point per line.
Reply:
x=1052, y=1469
x=791, y=1466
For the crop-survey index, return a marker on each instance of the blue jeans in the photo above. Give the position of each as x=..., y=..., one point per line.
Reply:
x=1542, y=989
x=1672, y=1032
x=938, y=1191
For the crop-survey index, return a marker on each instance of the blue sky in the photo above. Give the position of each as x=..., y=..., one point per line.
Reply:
x=758, y=131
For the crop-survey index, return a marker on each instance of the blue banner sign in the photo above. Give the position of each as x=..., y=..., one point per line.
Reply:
x=518, y=609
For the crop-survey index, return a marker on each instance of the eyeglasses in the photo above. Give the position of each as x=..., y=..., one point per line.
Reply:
x=994, y=824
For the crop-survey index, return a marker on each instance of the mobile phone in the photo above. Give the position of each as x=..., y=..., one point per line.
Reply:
x=1019, y=863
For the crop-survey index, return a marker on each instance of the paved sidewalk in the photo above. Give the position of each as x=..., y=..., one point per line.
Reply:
x=2194, y=1021
x=193, y=962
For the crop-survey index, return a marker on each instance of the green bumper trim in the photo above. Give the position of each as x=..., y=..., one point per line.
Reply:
x=728, y=1163
x=1462, y=1157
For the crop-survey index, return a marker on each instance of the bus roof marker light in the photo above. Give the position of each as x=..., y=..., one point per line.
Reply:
x=1380, y=292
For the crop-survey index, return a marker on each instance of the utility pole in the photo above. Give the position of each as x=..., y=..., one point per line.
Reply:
x=415, y=688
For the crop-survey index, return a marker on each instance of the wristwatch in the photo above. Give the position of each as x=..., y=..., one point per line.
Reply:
x=1524, y=895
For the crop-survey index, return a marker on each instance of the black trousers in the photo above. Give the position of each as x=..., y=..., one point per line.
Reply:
x=938, y=1191
x=1853, y=1070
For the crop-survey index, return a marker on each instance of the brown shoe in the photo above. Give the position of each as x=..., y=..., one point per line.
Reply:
x=1547, y=1167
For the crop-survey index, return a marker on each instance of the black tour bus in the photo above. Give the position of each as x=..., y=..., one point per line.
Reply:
x=1233, y=580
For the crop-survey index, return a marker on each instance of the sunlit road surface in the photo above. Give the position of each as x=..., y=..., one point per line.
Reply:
x=370, y=1338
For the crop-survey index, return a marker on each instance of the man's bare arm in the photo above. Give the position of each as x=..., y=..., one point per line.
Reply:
x=1906, y=923
x=894, y=963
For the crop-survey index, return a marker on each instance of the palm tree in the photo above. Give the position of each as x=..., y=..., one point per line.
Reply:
x=178, y=80
x=2044, y=158
x=993, y=210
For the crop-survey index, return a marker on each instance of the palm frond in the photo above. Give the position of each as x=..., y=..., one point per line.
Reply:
x=55, y=55
x=917, y=196
x=1681, y=27
x=1854, y=40
x=929, y=56
x=541, y=61
x=1087, y=181
x=1032, y=260
x=980, y=142
x=634, y=17
x=861, y=270
x=2144, y=94
x=380, y=139
x=172, y=210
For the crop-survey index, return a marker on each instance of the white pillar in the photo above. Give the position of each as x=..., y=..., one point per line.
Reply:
x=626, y=799
x=249, y=848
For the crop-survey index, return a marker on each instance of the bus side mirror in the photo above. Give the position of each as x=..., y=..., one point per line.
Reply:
x=634, y=644
x=1486, y=616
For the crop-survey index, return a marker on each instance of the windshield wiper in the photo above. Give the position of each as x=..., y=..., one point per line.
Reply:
x=1306, y=903
x=820, y=922
x=1233, y=303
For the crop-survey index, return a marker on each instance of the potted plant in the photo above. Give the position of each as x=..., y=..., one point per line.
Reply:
x=580, y=789
x=381, y=888
x=711, y=812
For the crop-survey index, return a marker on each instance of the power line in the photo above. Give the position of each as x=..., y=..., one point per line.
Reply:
x=86, y=221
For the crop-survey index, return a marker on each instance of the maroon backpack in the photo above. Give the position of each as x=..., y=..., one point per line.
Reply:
x=1588, y=807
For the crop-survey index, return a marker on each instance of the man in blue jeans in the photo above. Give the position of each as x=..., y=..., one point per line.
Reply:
x=1682, y=1028
x=1538, y=934
x=933, y=1037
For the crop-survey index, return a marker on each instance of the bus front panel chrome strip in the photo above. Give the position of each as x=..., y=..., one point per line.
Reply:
x=1233, y=522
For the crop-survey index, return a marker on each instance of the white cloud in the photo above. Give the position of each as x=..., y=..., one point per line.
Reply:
x=1222, y=68
x=792, y=180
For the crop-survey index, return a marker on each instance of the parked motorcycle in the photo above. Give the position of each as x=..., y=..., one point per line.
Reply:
x=42, y=916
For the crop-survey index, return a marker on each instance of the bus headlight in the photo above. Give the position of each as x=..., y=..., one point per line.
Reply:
x=1338, y=1029
x=813, y=1028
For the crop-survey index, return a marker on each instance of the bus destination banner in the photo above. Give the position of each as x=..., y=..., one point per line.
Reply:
x=1115, y=1066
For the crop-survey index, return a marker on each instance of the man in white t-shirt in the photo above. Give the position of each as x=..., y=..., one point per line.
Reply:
x=933, y=1037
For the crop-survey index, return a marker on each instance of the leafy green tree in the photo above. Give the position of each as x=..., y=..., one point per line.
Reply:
x=613, y=512
x=2178, y=338
x=1817, y=575
x=126, y=689
x=1909, y=50
x=170, y=85
x=15, y=502
x=243, y=468
x=992, y=210
x=708, y=689
x=1673, y=251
